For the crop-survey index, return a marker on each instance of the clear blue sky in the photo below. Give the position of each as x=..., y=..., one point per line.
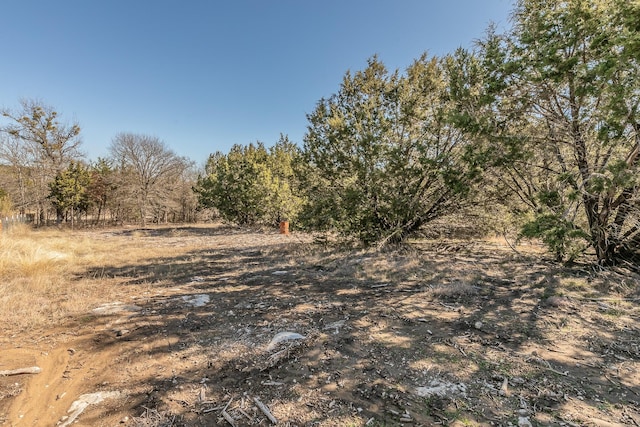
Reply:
x=202, y=74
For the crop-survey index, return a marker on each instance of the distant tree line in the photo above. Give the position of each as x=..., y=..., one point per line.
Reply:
x=538, y=126
x=43, y=173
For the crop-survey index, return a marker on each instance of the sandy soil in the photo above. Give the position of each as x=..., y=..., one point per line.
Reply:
x=441, y=333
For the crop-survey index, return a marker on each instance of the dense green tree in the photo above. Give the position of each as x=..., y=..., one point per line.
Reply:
x=252, y=184
x=384, y=156
x=574, y=65
x=102, y=186
x=285, y=199
x=237, y=184
x=69, y=191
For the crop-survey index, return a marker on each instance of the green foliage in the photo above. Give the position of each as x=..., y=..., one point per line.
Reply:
x=102, y=185
x=560, y=111
x=252, y=184
x=384, y=157
x=560, y=236
x=284, y=201
x=37, y=146
x=69, y=189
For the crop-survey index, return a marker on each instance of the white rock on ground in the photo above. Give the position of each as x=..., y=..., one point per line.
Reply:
x=524, y=422
x=199, y=300
x=283, y=336
x=83, y=402
x=335, y=325
x=442, y=388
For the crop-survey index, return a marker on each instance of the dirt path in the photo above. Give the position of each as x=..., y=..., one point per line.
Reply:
x=455, y=334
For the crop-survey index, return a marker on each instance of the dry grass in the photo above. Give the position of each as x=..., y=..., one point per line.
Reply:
x=45, y=276
x=37, y=268
x=53, y=274
x=379, y=325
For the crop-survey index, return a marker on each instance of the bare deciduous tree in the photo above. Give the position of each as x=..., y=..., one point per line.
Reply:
x=37, y=146
x=150, y=166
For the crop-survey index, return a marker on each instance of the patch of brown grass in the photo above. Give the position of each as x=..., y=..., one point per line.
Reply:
x=52, y=274
x=36, y=268
x=43, y=274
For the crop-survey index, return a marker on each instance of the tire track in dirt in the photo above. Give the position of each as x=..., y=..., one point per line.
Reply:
x=68, y=371
x=43, y=388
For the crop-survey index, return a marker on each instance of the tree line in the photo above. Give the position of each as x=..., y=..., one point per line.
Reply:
x=44, y=173
x=538, y=125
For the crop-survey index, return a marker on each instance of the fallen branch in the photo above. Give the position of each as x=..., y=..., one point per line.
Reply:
x=245, y=414
x=513, y=248
x=384, y=285
x=604, y=299
x=227, y=405
x=265, y=410
x=19, y=371
x=229, y=419
x=546, y=365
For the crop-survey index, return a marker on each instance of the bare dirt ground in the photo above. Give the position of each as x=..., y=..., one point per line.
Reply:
x=440, y=333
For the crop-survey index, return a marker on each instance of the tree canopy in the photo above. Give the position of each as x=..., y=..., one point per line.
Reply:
x=385, y=155
x=542, y=120
x=252, y=184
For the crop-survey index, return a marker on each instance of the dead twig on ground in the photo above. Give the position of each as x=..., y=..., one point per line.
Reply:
x=20, y=371
x=265, y=410
x=547, y=365
x=245, y=414
x=513, y=248
x=228, y=418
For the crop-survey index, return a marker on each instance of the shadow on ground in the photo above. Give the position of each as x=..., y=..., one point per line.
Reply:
x=467, y=335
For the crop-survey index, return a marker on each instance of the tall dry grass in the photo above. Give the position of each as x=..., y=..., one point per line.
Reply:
x=41, y=280
x=50, y=275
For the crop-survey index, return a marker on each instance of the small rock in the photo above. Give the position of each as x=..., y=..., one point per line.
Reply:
x=557, y=301
x=199, y=300
x=442, y=389
x=524, y=422
x=478, y=325
x=504, y=389
x=283, y=336
x=335, y=325
x=78, y=406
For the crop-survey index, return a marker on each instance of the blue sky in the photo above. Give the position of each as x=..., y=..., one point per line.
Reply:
x=203, y=75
